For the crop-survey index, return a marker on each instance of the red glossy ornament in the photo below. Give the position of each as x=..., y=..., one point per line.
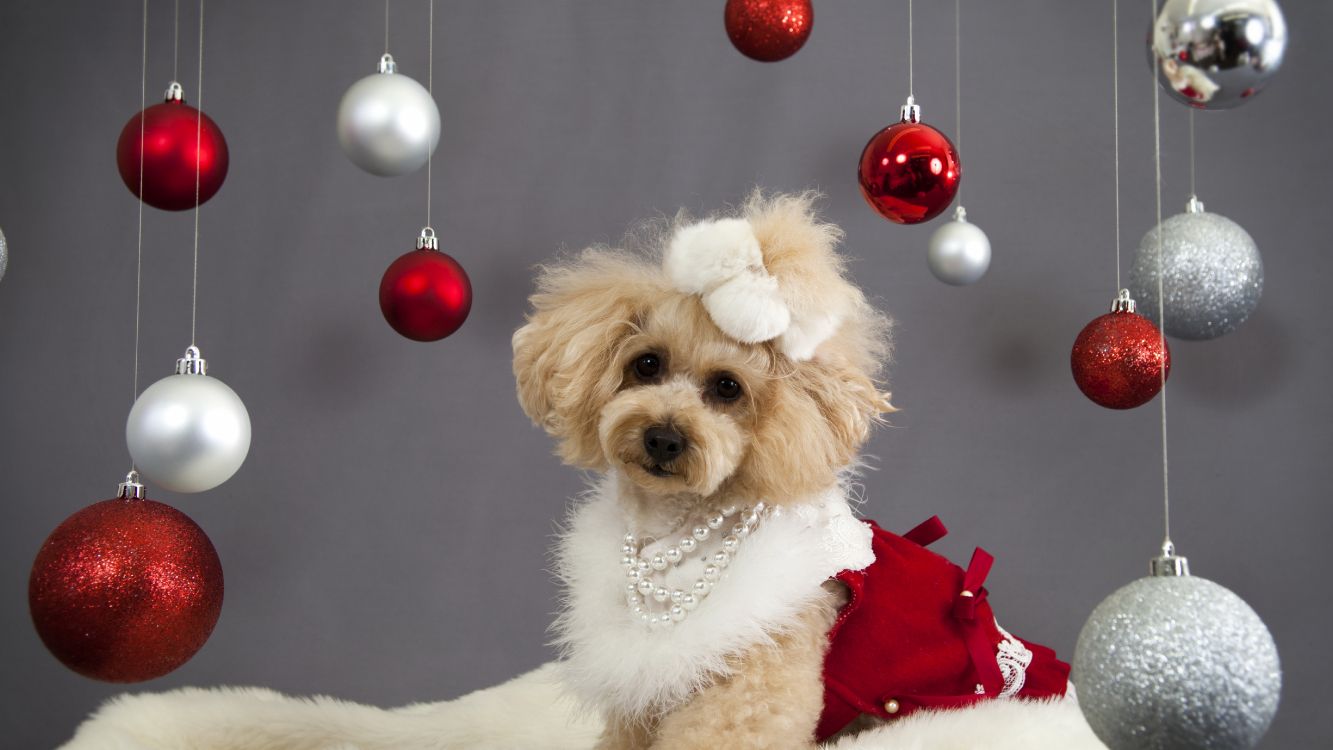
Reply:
x=425, y=294
x=769, y=30
x=909, y=171
x=1118, y=359
x=170, y=132
x=125, y=590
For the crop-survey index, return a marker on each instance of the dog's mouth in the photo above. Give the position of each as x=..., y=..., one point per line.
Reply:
x=658, y=470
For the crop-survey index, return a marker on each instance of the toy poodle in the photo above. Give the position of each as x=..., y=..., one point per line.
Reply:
x=719, y=590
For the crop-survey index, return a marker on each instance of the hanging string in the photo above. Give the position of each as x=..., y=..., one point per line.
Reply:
x=386, y=27
x=1193, y=192
x=1167, y=546
x=958, y=87
x=175, y=40
x=430, y=89
x=911, y=84
x=1115, y=77
x=138, y=263
x=198, y=141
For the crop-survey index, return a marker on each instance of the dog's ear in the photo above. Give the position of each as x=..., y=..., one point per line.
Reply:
x=819, y=417
x=567, y=356
x=842, y=342
x=848, y=400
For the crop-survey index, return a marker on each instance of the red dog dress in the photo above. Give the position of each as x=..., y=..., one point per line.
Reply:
x=918, y=632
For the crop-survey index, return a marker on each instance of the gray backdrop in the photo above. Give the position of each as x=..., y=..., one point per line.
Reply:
x=386, y=539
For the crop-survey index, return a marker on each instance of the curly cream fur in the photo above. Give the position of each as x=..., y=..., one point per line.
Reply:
x=773, y=701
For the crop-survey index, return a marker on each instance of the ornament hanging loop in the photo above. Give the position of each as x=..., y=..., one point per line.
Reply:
x=192, y=363
x=911, y=111
x=131, y=488
x=427, y=240
x=387, y=65
x=1123, y=302
x=175, y=92
x=1169, y=564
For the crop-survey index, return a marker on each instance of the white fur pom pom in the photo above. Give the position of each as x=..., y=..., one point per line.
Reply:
x=749, y=308
x=804, y=336
x=721, y=261
x=704, y=256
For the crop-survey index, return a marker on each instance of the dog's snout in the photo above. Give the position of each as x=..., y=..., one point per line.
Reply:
x=664, y=444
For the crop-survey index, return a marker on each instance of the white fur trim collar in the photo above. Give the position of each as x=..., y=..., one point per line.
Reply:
x=613, y=661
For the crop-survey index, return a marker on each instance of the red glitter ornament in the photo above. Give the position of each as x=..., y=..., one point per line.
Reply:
x=125, y=590
x=170, y=132
x=1118, y=359
x=769, y=30
x=909, y=171
x=425, y=294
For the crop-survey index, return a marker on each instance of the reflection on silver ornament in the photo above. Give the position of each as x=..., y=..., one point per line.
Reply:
x=188, y=432
x=388, y=123
x=959, y=252
x=1212, y=274
x=1174, y=661
x=4, y=255
x=1216, y=54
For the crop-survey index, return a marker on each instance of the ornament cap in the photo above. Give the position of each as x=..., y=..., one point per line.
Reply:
x=911, y=111
x=175, y=93
x=1195, y=206
x=960, y=214
x=131, y=488
x=427, y=240
x=192, y=363
x=1123, y=302
x=1169, y=564
x=387, y=65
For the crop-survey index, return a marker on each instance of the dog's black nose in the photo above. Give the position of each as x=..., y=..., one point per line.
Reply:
x=663, y=444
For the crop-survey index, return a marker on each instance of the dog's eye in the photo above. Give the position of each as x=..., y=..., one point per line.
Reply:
x=727, y=389
x=648, y=366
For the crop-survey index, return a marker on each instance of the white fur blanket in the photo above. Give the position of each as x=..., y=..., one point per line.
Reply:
x=530, y=712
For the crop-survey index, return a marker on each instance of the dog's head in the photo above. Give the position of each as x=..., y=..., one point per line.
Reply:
x=744, y=364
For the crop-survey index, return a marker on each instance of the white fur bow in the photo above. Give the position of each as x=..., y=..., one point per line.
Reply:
x=721, y=262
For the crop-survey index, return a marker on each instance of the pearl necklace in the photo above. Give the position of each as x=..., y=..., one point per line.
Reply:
x=644, y=585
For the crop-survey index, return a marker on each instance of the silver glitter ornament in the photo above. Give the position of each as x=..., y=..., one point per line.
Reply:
x=388, y=123
x=1212, y=274
x=1217, y=54
x=4, y=255
x=1176, y=662
x=188, y=432
x=959, y=252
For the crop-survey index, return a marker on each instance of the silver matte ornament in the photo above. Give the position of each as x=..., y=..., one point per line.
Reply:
x=959, y=252
x=1176, y=662
x=188, y=432
x=4, y=255
x=1212, y=274
x=1217, y=54
x=388, y=124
